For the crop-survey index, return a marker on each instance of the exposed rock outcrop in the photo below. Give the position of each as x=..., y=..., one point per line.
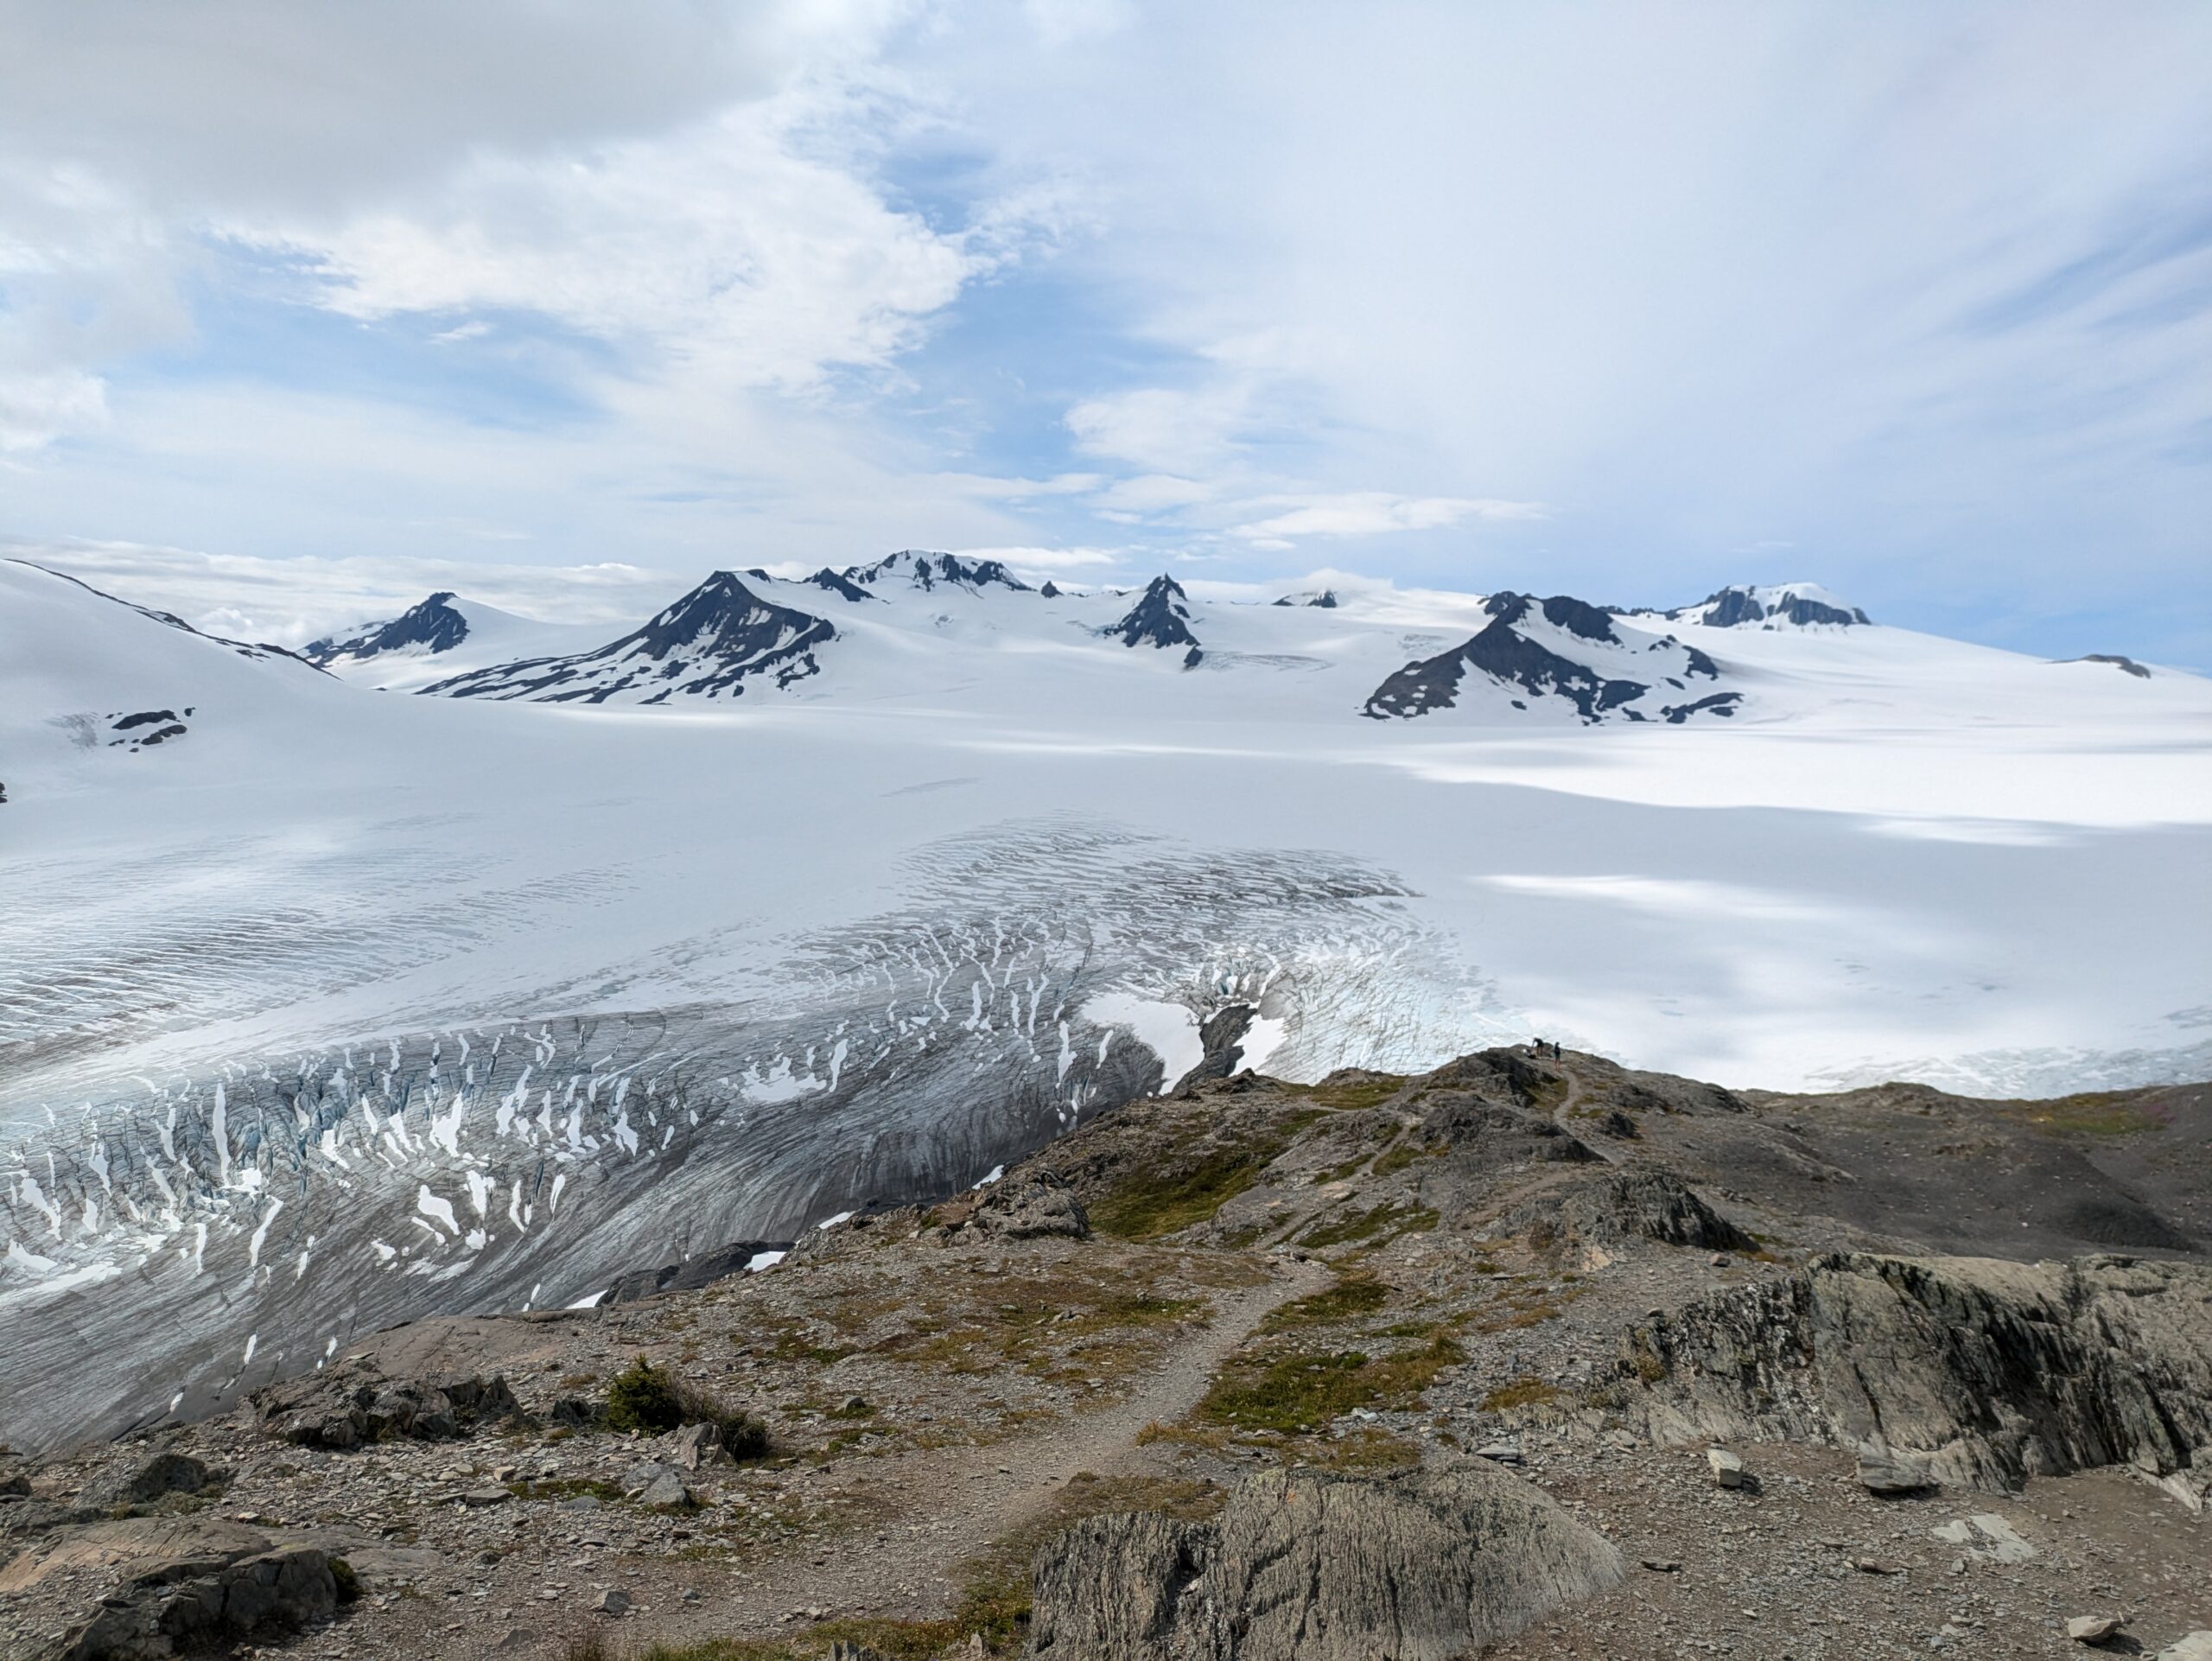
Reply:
x=1160, y=618
x=356, y=1403
x=1973, y=1371
x=1319, y=1568
x=142, y=1482
x=1640, y=1202
x=177, y=1584
x=689, y=1275
x=1028, y=1208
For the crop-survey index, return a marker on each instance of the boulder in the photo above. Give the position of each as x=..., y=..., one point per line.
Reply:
x=692, y=1448
x=1884, y=1472
x=1976, y=1372
x=1640, y=1202
x=166, y=1585
x=1727, y=1468
x=356, y=1403
x=2094, y=1629
x=150, y=1477
x=1302, y=1567
x=2195, y=1646
x=1031, y=1206
x=656, y=1485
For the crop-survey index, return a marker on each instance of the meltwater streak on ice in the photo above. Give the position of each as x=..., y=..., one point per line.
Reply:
x=289, y=1203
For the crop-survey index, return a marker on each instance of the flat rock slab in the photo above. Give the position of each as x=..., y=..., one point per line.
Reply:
x=1986, y=1535
x=1313, y=1568
x=139, y=1550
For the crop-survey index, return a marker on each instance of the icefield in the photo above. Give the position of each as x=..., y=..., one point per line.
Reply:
x=324, y=1007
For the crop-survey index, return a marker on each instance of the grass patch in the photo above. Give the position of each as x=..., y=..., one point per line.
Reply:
x=1350, y=1297
x=566, y=1487
x=1398, y=1158
x=1295, y=1393
x=1522, y=1392
x=1161, y=1198
x=2089, y=1113
x=1356, y=1095
x=1384, y=1223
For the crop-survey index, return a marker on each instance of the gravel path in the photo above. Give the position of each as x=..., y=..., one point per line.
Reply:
x=932, y=1511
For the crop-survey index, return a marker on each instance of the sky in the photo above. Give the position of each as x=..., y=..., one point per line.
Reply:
x=306, y=309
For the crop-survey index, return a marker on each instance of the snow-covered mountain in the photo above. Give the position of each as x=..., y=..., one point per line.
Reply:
x=710, y=644
x=1792, y=604
x=439, y=638
x=1563, y=653
x=336, y=1009
x=1160, y=618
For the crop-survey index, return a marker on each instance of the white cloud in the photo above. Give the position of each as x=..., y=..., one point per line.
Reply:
x=1149, y=492
x=722, y=250
x=1160, y=429
x=294, y=600
x=1374, y=513
x=36, y=408
x=1048, y=562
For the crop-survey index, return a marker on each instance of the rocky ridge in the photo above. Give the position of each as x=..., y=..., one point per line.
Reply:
x=1529, y=1356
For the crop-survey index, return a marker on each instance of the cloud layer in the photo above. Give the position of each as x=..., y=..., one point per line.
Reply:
x=1622, y=299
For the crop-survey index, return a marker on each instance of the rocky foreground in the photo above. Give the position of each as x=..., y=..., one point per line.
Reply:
x=1523, y=1357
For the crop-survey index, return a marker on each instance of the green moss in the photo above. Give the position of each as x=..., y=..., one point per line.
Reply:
x=2089, y=1113
x=1352, y=1297
x=1295, y=1393
x=1396, y=1159
x=1522, y=1392
x=1163, y=1198
x=1357, y=1096
x=1384, y=1222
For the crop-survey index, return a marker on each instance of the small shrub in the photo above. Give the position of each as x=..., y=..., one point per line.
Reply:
x=651, y=1401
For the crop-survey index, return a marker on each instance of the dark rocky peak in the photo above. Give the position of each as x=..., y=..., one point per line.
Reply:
x=1579, y=617
x=433, y=624
x=1561, y=611
x=1160, y=618
x=2126, y=666
x=837, y=583
x=1505, y=654
x=1327, y=600
x=709, y=643
x=926, y=571
x=1507, y=607
x=722, y=617
x=1051, y=590
x=1740, y=606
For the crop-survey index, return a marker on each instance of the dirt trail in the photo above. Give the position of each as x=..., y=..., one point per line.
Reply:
x=935, y=1510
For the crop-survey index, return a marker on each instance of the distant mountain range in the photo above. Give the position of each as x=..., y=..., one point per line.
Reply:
x=750, y=632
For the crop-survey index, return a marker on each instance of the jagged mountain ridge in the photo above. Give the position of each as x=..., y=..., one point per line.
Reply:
x=1563, y=651
x=709, y=643
x=434, y=625
x=1160, y=618
x=1788, y=605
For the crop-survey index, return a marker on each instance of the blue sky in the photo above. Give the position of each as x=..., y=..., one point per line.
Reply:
x=302, y=306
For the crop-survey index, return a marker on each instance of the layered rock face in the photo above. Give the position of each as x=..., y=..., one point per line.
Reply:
x=1310, y=1568
x=1966, y=1371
